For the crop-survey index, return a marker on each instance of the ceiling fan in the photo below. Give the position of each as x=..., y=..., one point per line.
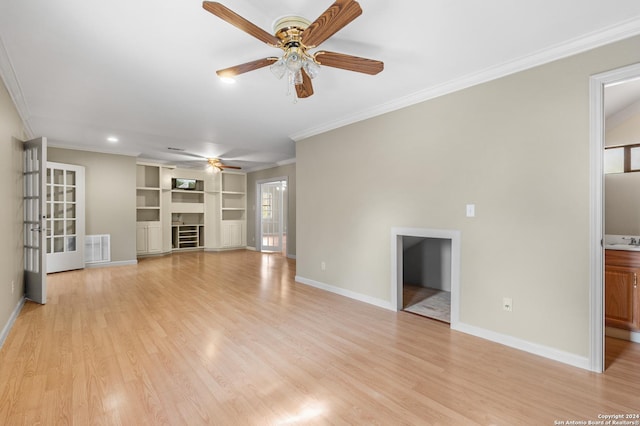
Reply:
x=215, y=163
x=296, y=36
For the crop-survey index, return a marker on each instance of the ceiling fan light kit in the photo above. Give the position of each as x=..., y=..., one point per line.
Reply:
x=296, y=35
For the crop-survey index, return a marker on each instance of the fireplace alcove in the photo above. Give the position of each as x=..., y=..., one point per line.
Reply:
x=431, y=258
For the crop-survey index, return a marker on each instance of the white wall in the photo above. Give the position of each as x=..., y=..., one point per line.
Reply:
x=517, y=147
x=11, y=213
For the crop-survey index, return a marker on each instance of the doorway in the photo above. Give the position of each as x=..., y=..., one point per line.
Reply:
x=426, y=277
x=598, y=86
x=65, y=217
x=272, y=218
x=441, y=248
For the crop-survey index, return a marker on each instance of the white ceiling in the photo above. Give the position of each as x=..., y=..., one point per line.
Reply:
x=144, y=71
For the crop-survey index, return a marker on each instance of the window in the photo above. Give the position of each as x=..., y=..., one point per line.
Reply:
x=622, y=159
x=267, y=205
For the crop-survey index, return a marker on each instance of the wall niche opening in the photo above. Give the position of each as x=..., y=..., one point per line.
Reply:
x=426, y=277
x=428, y=261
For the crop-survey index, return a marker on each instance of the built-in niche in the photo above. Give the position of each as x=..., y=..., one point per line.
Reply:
x=425, y=272
x=426, y=277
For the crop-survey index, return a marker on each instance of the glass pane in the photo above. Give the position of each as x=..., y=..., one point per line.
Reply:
x=58, y=177
x=614, y=160
x=71, y=194
x=58, y=193
x=71, y=227
x=48, y=245
x=635, y=158
x=58, y=211
x=35, y=182
x=58, y=245
x=49, y=228
x=49, y=193
x=49, y=176
x=71, y=243
x=58, y=227
x=71, y=177
x=71, y=210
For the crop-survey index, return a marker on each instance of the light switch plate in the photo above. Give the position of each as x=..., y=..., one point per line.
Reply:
x=471, y=210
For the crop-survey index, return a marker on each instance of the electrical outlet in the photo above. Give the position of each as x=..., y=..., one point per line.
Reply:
x=323, y=266
x=507, y=304
x=13, y=286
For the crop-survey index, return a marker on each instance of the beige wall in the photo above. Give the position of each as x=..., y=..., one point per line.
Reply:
x=11, y=214
x=622, y=190
x=517, y=147
x=289, y=171
x=110, y=197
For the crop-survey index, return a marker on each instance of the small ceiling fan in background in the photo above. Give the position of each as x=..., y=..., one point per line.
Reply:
x=296, y=36
x=215, y=163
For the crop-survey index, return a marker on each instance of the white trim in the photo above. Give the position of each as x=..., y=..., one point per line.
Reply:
x=523, y=345
x=617, y=333
x=291, y=256
x=271, y=166
x=347, y=293
x=11, y=82
x=12, y=318
x=109, y=264
x=251, y=248
x=396, y=265
x=286, y=162
x=257, y=210
x=597, y=84
x=571, y=47
x=99, y=150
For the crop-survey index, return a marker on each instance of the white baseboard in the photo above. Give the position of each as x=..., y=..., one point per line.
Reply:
x=109, y=264
x=347, y=293
x=291, y=256
x=251, y=248
x=617, y=333
x=523, y=345
x=12, y=319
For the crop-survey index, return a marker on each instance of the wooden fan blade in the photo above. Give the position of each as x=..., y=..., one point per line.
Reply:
x=242, y=68
x=336, y=17
x=348, y=62
x=238, y=21
x=222, y=166
x=305, y=89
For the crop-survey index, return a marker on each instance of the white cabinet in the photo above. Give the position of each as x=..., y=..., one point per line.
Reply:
x=148, y=237
x=233, y=234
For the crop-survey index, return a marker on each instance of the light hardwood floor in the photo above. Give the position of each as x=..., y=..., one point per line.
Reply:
x=230, y=338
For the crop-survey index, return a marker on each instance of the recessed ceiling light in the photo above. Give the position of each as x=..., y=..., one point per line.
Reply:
x=227, y=80
x=112, y=139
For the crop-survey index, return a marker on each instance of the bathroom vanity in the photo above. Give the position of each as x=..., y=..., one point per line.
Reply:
x=622, y=297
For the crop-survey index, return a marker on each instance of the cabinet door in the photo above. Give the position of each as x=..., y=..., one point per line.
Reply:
x=621, y=298
x=154, y=238
x=232, y=234
x=141, y=238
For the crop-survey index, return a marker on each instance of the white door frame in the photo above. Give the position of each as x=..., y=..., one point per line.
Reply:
x=259, y=210
x=597, y=84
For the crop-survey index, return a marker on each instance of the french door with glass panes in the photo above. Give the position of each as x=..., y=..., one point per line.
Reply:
x=65, y=217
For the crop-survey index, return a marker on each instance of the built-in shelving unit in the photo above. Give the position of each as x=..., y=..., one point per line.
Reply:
x=233, y=204
x=187, y=216
x=148, y=209
x=184, y=209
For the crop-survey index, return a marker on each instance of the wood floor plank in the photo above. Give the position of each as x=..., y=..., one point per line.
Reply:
x=230, y=339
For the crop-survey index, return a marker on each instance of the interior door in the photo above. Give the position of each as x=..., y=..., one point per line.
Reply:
x=65, y=217
x=272, y=216
x=34, y=165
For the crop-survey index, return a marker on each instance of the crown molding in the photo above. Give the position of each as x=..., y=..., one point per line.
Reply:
x=8, y=75
x=98, y=150
x=562, y=50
